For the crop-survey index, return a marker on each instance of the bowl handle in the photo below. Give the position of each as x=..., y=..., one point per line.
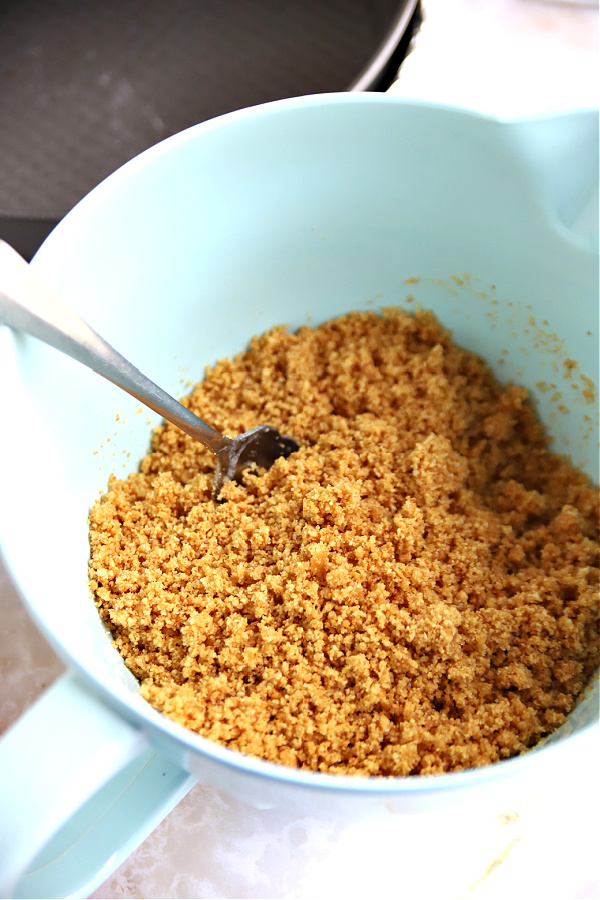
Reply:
x=80, y=789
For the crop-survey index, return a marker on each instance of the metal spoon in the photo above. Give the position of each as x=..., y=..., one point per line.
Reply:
x=28, y=304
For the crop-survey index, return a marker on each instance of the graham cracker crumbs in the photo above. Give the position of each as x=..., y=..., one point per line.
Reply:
x=414, y=591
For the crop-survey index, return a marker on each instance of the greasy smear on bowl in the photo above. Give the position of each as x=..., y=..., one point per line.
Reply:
x=414, y=591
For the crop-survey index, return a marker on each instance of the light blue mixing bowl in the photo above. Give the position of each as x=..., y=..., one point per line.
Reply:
x=289, y=213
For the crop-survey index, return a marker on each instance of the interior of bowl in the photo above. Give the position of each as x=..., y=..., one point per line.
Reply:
x=293, y=213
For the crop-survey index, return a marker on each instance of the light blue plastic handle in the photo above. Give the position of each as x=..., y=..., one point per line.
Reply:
x=80, y=789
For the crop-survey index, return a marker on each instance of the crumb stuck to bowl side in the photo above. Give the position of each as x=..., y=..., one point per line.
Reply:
x=414, y=591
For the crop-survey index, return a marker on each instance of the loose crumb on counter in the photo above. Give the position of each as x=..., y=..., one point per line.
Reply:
x=414, y=591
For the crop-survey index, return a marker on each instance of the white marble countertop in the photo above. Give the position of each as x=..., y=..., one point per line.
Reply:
x=506, y=57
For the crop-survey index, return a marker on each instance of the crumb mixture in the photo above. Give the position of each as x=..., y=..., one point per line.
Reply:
x=414, y=591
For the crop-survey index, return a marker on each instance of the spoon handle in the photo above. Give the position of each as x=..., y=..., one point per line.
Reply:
x=27, y=304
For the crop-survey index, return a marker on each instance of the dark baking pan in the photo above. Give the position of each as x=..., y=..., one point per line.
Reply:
x=85, y=86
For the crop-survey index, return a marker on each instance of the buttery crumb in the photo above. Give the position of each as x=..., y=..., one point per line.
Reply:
x=414, y=591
